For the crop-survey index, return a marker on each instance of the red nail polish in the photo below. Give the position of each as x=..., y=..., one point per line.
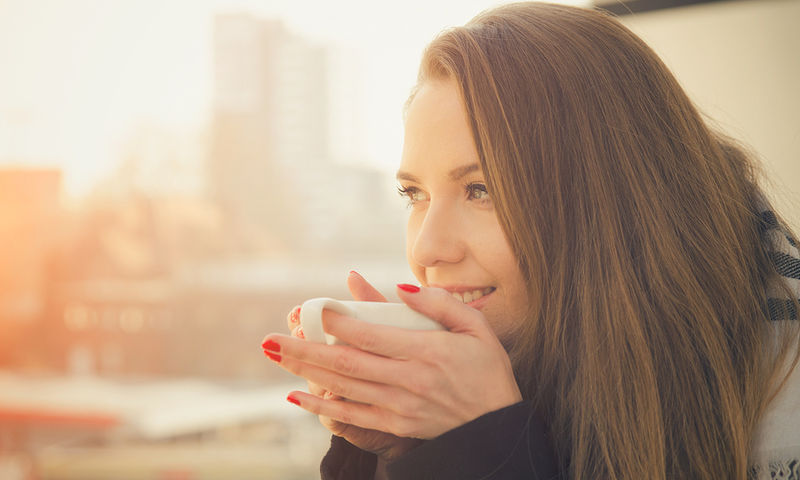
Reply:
x=300, y=333
x=293, y=400
x=272, y=356
x=295, y=315
x=353, y=272
x=271, y=345
x=408, y=288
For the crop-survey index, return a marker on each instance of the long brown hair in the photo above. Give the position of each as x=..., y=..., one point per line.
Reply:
x=637, y=229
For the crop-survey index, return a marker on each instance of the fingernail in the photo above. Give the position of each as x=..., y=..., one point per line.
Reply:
x=271, y=345
x=408, y=288
x=272, y=356
x=293, y=400
x=295, y=315
x=300, y=333
x=353, y=272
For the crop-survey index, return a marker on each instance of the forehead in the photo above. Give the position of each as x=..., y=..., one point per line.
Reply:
x=437, y=131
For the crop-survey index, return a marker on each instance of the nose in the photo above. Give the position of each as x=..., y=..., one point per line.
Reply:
x=438, y=238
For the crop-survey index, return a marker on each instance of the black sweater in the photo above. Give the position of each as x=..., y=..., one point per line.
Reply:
x=510, y=443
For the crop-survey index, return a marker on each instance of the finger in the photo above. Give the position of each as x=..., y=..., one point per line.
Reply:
x=331, y=396
x=321, y=392
x=337, y=428
x=297, y=332
x=361, y=290
x=349, y=432
x=384, y=340
x=440, y=305
x=349, y=413
x=345, y=361
x=317, y=390
x=346, y=387
x=293, y=318
x=342, y=371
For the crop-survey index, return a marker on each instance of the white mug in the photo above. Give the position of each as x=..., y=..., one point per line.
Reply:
x=383, y=313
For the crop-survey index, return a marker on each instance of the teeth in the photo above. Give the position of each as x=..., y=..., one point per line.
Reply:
x=468, y=297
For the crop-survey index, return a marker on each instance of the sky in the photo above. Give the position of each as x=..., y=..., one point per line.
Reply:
x=78, y=77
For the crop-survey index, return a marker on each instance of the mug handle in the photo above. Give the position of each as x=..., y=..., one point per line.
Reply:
x=311, y=318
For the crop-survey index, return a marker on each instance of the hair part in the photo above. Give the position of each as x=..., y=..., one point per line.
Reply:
x=636, y=228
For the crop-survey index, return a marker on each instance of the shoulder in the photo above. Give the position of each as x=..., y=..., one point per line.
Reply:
x=508, y=443
x=782, y=249
x=776, y=442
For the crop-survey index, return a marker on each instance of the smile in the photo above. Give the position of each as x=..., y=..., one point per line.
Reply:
x=472, y=295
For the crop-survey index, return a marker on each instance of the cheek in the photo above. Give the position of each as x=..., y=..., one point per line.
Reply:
x=509, y=314
x=517, y=301
x=412, y=229
x=515, y=294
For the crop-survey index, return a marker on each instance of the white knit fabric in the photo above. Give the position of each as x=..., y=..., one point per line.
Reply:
x=776, y=443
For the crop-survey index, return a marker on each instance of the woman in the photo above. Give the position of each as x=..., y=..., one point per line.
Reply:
x=619, y=300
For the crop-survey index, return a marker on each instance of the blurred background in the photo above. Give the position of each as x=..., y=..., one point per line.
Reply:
x=176, y=175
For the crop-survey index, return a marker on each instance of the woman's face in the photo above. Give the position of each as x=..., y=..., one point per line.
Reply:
x=454, y=239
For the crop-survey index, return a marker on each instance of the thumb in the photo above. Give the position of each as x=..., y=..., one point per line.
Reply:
x=361, y=290
x=439, y=304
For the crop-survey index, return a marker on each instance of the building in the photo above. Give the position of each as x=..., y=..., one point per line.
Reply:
x=270, y=166
x=269, y=119
x=30, y=229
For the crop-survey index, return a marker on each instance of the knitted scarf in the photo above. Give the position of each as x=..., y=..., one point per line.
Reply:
x=776, y=443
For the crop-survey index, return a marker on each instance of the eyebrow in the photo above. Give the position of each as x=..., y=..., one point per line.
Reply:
x=454, y=174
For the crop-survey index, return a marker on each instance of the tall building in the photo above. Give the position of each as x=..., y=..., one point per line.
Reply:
x=271, y=167
x=269, y=122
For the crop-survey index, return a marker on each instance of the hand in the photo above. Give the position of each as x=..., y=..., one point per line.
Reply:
x=293, y=322
x=410, y=384
x=360, y=290
x=385, y=445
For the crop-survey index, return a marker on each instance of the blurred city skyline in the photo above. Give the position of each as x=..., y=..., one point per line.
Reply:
x=196, y=240
x=82, y=79
x=176, y=175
